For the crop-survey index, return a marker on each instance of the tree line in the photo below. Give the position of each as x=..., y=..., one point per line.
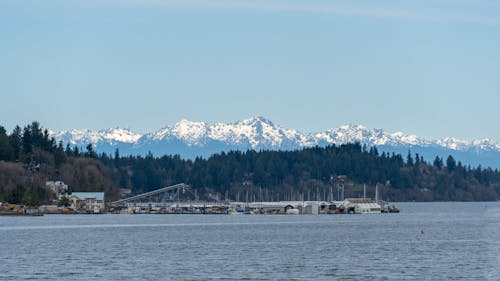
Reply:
x=29, y=156
x=310, y=173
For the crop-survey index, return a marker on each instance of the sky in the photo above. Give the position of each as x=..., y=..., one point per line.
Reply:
x=424, y=67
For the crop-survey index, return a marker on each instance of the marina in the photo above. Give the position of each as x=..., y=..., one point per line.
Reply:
x=181, y=199
x=168, y=201
x=348, y=206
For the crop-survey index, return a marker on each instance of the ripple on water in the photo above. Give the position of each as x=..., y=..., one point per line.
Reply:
x=461, y=241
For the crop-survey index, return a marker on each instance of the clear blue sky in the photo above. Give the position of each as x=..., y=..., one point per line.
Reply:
x=430, y=68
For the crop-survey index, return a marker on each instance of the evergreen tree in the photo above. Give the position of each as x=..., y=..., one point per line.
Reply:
x=68, y=150
x=6, y=150
x=90, y=151
x=417, y=160
x=450, y=163
x=438, y=163
x=16, y=142
x=59, y=155
x=409, y=159
x=76, y=151
x=27, y=141
x=116, y=158
x=64, y=201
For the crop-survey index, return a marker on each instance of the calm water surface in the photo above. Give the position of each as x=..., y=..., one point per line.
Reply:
x=461, y=241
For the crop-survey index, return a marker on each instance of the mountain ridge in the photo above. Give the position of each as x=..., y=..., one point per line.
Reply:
x=197, y=138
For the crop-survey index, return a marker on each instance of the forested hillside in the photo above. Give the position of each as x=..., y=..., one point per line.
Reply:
x=312, y=173
x=29, y=157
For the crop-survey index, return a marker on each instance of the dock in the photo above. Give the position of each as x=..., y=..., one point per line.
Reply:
x=168, y=200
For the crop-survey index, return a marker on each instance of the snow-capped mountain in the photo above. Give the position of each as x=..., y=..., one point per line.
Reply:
x=358, y=133
x=111, y=136
x=190, y=139
x=255, y=133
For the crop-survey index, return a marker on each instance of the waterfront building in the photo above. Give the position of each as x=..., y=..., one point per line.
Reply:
x=89, y=202
x=362, y=206
x=58, y=187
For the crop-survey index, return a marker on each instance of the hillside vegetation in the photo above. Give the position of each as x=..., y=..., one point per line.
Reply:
x=29, y=157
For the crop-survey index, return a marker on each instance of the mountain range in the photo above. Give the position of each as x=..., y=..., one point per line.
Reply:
x=191, y=139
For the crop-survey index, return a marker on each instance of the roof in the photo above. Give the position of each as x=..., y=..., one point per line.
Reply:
x=86, y=195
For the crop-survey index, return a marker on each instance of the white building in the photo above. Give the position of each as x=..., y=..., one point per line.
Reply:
x=58, y=187
x=362, y=206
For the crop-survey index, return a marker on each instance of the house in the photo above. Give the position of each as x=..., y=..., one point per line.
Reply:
x=89, y=202
x=58, y=187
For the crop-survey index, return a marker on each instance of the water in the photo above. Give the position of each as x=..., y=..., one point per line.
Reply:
x=461, y=241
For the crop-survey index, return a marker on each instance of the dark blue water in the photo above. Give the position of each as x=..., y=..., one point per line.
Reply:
x=461, y=241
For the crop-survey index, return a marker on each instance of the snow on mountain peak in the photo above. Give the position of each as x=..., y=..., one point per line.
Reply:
x=256, y=132
x=454, y=143
x=256, y=120
x=74, y=137
x=359, y=133
x=87, y=136
x=486, y=144
x=260, y=133
x=121, y=135
x=190, y=131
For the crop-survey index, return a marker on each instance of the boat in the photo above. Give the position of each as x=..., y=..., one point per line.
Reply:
x=393, y=209
x=233, y=211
